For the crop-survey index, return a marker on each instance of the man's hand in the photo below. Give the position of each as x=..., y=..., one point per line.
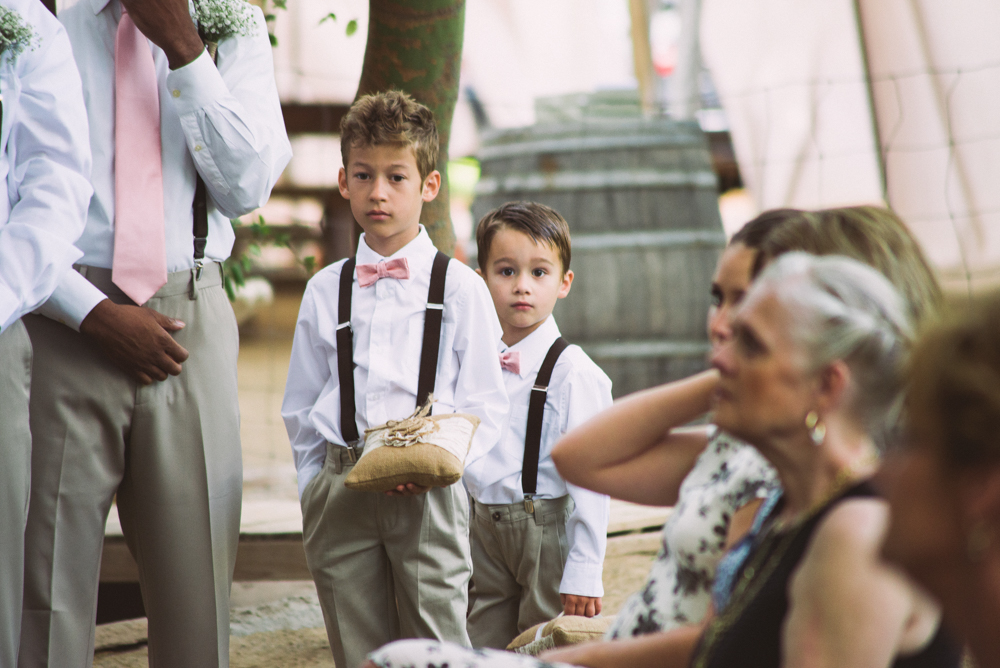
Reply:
x=587, y=606
x=137, y=339
x=168, y=24
x=409, y=489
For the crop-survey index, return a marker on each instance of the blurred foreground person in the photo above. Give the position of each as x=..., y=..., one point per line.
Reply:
x=944, y=486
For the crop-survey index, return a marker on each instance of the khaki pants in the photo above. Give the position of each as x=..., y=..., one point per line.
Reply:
x=517, y=566
x=385, y=567
x=171, y=452
x=15, y=474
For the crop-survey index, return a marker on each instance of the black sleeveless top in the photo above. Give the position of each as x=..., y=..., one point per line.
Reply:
x=748, y=631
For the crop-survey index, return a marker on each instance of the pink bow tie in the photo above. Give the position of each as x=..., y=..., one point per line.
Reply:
x=511, y=361
x=368, y=274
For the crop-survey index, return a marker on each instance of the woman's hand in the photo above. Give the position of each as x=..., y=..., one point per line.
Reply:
x=636, y=450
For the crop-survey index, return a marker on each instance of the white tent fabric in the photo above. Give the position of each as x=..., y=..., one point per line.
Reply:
x=514, y=51
x=812, y=87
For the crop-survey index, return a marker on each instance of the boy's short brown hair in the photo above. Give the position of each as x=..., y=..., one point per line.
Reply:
x=392, y=117
x=540, y=222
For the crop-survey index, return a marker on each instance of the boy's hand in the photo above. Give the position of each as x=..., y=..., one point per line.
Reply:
x=586, y=606
x=409, y=489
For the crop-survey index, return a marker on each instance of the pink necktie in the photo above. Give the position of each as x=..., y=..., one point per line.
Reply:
x=139, y=266
x=369, y=273
x=511, y=361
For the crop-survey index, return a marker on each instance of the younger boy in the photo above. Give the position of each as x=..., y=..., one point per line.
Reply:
x=537, y=547
x=395, y=565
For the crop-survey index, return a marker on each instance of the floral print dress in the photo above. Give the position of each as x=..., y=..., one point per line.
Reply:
x=728, y=475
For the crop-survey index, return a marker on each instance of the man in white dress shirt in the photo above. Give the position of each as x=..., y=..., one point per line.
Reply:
x=45, y=165
x=134, y=391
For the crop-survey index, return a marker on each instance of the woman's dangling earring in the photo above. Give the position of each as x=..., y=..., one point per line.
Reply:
x=817, y=430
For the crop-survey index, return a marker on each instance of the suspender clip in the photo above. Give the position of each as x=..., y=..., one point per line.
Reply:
x=529, y=504
x=540, y=388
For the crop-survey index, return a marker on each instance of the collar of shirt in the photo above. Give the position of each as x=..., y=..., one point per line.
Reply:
x=419, y=253
x=99, y=5
x=534, y=347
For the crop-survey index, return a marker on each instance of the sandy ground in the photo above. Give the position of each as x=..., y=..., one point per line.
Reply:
x=280, y=624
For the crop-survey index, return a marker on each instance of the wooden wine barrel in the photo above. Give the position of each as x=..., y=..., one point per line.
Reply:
x=642, y=203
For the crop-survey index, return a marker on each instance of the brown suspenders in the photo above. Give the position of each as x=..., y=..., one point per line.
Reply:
x=345, y=345
x=533, y=433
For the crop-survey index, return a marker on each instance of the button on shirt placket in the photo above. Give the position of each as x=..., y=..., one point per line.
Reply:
x=383, y=317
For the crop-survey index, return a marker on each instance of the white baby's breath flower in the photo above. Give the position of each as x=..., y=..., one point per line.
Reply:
x=16, y=34
x=219, y=19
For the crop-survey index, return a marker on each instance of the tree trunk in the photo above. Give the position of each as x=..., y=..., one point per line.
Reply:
x=416, y=46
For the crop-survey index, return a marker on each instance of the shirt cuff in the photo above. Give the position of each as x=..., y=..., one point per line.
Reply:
x=306, y=474
x=74, y=298
x=196, y=85
x=10, y=307
x=582, y=579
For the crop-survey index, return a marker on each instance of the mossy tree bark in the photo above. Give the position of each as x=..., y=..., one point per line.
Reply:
x=416, y=46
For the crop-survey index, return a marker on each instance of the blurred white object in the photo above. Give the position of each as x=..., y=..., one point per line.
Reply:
x=251, y=297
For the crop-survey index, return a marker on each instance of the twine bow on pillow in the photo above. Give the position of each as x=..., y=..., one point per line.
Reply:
x=408, y=431
x=424, y=449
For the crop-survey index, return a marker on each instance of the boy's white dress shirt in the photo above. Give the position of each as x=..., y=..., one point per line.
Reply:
x=578, y=390
x=388, y=322
x=227, y=119
x=45, y=162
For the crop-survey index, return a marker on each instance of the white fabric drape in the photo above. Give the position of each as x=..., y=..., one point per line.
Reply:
x=807, y=110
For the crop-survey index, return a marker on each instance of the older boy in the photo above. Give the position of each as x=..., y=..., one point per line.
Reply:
x=537, y=542
x=395, y=565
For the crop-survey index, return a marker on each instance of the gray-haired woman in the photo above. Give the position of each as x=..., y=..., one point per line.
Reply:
x=816, y=364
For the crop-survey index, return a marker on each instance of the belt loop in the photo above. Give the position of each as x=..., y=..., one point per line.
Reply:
x=338, y=464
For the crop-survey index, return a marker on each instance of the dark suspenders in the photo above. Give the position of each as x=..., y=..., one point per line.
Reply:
x=533, y=433
x=200, y=226
x=345, y=345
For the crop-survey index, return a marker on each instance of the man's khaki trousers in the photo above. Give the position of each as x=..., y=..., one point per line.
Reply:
x=171, y=453
x=15, y=474
x=517, y=566
x=385, y=567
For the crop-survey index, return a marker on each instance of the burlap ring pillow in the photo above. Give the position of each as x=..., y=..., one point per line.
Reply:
x=422, y=449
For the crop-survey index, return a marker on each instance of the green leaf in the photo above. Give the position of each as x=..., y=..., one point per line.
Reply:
x=352, y=27
x=274, y=40
x=230, y=290
x=309, y=263
x=329, y=17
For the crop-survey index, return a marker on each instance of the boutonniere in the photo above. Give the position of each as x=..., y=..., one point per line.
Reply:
x=16, y=34
x=220, y=19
